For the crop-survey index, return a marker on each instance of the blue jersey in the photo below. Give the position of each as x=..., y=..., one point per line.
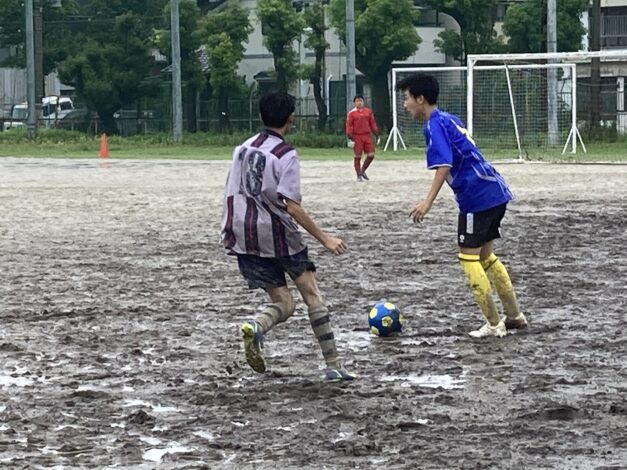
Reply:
x=476, y=184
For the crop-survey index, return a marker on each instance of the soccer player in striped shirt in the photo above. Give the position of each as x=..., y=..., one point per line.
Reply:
x=482, y=196
x=260, y=226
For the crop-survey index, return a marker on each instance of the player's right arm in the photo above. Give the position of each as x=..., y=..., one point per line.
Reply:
x=440, y=159
x=349, y=125
x=333, y=244
x=421, y=209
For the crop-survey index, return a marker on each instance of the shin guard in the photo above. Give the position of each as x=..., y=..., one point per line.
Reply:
x=367, y=163
x=271, y=316
x=357, y=165
x=480, y=287
x=321, y=325
x=497, y=274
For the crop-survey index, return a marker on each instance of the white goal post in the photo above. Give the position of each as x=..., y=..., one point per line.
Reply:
x=395, y=138
x=529, y=105
x=572, y=58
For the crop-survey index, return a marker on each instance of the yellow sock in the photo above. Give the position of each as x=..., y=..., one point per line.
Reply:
x=497, y=273
x=480, y=287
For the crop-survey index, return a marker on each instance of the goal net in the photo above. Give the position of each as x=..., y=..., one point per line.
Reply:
x=508, y=108
x=529, y=106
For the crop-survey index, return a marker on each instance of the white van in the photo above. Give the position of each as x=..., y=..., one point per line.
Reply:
x=53, y=109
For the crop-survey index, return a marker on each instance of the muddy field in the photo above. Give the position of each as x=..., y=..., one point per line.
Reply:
x=120, y=314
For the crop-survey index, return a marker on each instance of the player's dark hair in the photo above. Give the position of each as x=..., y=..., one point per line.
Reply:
x=275, y=107
x=358, y=96
x=421, y=84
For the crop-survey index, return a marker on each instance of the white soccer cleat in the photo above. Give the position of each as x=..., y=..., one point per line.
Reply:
x=488, y=330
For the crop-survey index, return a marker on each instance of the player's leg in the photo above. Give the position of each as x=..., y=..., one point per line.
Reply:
x=267, y=274
x=302, y=270
x=471, y=237
x=320, y=321
x=499, y=277
x=358, y=149
x=281, y=308
x=369, y=151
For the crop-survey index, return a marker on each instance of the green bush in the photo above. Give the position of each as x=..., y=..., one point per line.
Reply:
x=44, y=136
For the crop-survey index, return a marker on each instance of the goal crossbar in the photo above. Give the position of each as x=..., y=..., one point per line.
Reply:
x=561, y=56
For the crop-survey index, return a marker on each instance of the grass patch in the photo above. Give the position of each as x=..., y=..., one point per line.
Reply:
x=54, y=143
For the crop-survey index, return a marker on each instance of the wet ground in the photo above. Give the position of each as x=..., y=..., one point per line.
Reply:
x=119, y=317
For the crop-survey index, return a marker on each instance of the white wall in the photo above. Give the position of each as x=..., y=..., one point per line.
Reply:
x=12, y=86
x=613, y=3
x=257, y=58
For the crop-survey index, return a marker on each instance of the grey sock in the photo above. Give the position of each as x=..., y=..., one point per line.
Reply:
x=321, y=325
x=269, y=317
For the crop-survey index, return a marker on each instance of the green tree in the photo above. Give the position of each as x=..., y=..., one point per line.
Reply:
x=12, y=26
x=384, y=33
x=190, y=40
x=525, y=25
x=281, y=25
x=110, y=54
x=224, y=34
x=476, y=22
x=56, y=32
x=314, y=20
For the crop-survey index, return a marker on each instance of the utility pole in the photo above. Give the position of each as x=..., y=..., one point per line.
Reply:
x=551, y=46
x=351, y=86
x=177, y=100
x=39, y=54
x=595, y=67
x=31, y=121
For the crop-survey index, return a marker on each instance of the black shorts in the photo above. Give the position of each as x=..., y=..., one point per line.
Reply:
x=476, y=229
x=270, y=272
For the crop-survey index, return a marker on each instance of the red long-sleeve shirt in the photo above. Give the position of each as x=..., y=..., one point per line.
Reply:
x=360, y=121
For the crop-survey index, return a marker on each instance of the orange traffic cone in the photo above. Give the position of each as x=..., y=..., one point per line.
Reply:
x=104, y=148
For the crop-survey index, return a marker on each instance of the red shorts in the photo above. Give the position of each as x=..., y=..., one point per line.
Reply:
x=363, y=143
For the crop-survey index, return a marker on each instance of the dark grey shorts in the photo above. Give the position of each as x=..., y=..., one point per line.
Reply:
x=270, y=272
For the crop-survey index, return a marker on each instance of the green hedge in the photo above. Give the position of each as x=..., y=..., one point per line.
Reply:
x=78, y=139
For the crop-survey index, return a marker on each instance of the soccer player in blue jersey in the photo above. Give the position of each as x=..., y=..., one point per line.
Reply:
x=482, y=196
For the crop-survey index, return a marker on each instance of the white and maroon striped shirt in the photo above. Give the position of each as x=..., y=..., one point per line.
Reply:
x=265, y=170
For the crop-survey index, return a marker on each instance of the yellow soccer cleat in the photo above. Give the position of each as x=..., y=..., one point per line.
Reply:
x=253, y=344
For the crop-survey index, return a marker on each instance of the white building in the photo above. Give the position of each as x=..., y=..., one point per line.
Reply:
x=258, y=59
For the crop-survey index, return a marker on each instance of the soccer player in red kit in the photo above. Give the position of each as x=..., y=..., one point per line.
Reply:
x=360, y=125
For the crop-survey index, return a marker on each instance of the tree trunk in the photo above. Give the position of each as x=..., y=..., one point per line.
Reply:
x=279, y=67
x=110, y=127
x=138, y=118
x=316, y=80
x=190, y=108
x=224, y=121
x=381, y=100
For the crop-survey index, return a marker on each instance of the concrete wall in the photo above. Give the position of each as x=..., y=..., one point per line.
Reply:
x=257, y=58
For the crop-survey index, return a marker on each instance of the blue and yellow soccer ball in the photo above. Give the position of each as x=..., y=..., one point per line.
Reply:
x=385, y=319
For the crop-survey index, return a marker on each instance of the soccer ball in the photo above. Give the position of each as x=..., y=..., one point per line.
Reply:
x=385, y=319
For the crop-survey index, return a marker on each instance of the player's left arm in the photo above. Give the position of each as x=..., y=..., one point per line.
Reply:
x=333, y=244
x=373, y=123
